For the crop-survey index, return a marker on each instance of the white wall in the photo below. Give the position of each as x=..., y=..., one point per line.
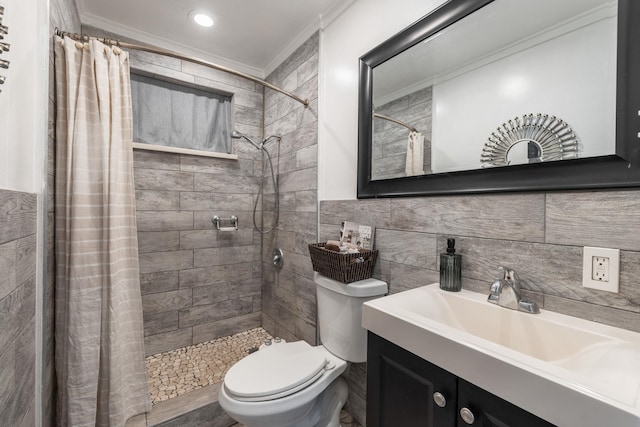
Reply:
x=359, y=29
x=24, y=99
x=572, y=77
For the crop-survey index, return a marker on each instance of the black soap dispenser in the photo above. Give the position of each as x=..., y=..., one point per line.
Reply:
x=451, y=268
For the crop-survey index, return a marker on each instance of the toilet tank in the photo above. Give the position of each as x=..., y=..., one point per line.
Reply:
x=340, y=315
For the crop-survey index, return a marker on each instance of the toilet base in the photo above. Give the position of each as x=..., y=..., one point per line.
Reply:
x=323, y=411
x=330, y=404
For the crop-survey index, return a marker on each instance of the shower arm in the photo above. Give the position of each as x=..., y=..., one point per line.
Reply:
x=172, y=54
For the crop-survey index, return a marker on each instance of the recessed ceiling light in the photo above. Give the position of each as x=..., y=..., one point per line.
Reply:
x=201, y=18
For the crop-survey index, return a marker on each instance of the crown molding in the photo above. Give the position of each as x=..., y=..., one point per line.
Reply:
x=330, y=14
x=144, y=37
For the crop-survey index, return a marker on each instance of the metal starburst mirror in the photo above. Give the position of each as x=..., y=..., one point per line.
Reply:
x=544, y=138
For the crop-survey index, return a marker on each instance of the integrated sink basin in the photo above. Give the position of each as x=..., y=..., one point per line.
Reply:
x=568, y=371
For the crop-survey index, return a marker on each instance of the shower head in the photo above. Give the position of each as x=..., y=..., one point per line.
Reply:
x=238, y=135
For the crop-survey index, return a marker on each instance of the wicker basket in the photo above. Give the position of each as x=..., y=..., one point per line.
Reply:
x=345, y=268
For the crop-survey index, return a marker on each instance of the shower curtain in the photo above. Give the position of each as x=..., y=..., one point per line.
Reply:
x=99, y=353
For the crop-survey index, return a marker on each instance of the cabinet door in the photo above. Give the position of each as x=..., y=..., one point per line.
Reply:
x=491, y=411
x=401, y=388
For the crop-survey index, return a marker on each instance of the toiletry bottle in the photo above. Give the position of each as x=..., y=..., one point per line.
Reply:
x=450, y=268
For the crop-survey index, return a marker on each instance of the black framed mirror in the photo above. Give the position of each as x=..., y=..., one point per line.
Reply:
x=617, y=168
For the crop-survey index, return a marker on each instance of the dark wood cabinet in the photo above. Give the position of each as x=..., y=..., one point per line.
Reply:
x=406, y=390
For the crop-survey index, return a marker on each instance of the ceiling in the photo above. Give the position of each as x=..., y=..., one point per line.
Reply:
x=252, y=36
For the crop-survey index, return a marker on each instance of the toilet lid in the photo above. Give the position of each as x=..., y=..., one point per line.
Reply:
x=275, y=371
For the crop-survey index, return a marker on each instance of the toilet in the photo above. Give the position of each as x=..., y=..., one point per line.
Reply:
x=296, y=384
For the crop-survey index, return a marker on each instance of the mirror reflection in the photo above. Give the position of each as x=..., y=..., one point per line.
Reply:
x=444, y=104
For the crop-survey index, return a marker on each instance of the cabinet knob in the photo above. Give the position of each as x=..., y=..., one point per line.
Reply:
x=467, y=416
x=439, y=399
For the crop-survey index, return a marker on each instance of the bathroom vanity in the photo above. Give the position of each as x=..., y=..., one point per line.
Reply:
x=440, y=358
x=404, y=389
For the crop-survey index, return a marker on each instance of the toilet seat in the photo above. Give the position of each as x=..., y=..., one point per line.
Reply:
x=274, y=372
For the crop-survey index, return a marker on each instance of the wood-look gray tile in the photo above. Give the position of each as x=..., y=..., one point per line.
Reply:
x=156, y=200
x=17, y=215
x=222, y=183
x=202, y=239
x=154, y=179
x=306, y=222
x=139, y=58
x=221, y=256
x=405, y=277
x=308, y=49
x=158, y=323
x=306, y=201
x=371, y=212
x=513, y=217
x=161, y=281
x=166, y=301
x=16, y=310
x=216, y=166
x=570, y=219
x=8, y=369
x=143, y=159
x=243, y=97
x=416, y=249
x=594, y=312
x=217, y=311
x=159, y=343
x=8, y=281
x=308, y=69
x=164, y=220
x=217, y=76
x=214, y=201
x=152, y=262
x=299, y=180
x=158, y=241
x=215, y=275
x=225, y=327
x=203, y=295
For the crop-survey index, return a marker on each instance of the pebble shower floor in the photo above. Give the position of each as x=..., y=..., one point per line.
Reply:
x=174, y=373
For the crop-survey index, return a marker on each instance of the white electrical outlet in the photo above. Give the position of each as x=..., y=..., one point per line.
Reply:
x=601, y=269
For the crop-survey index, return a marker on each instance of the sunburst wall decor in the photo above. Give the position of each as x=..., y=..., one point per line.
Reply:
x=547, y=137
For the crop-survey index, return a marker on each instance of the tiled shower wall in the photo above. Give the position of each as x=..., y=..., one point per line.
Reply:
x=197, y=283
x=17, y=308
x=288, y=295
x=540, y=235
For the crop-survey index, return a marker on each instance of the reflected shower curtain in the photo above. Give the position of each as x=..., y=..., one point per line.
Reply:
x=99, y=333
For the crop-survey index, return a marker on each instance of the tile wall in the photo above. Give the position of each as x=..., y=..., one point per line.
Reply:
x=288, y=295
x=540, y=235
x=197, y=283
x=18, y=245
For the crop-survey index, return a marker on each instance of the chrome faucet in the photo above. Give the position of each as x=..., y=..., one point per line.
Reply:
x=505, y=292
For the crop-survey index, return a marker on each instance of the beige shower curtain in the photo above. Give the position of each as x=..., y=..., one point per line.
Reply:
x=99, y=333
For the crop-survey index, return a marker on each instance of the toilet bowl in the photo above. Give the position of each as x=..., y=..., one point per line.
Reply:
x=296, y=384
x=290, y=384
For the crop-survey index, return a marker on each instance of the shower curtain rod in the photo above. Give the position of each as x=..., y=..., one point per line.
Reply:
x=383, y=117
x=160, y=51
